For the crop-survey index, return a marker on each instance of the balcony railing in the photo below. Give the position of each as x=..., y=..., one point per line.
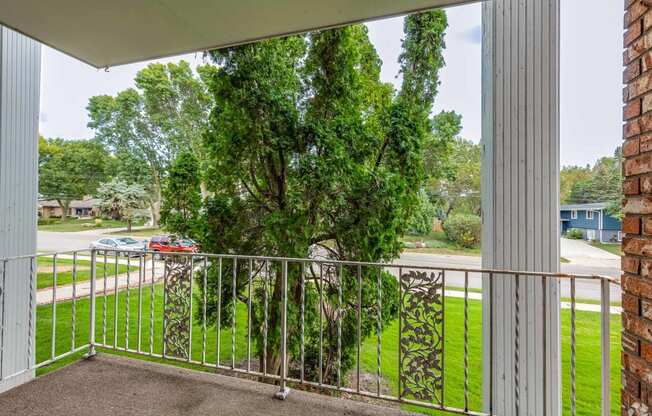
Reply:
x=315, y=324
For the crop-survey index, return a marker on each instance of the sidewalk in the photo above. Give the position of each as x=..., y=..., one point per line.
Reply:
x=83, y=289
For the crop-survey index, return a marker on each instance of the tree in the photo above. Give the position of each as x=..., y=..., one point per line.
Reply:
x=600, y=183
x=424, y=216
x=71, y=169
x=122, y=201
x=165, y=114
x=460, y=190
x=569, y=176
x=182, y=196
x=308, y=150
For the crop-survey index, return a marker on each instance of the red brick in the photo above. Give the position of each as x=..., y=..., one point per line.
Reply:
x=631, y=225
x=631, y=304
x=646, y=272
x=639, y=164
x=631, y=147
x=638, y=367
x=630, y=264
x=641, y=328
x=645, y=142
x=646, y=184
x=633, y=109
x=630, y=344
x=642, y=84
x=647, y=225
x=635, y=11
x=646, y=62
x=645, y=311
x=639, y=205
x=632, y=71
x=631, y=384
x=637, y=48
x=631, y=187
x=637, y=246
x=646, y=105
x=647, y=21
x=632, y=128
x=632, y=33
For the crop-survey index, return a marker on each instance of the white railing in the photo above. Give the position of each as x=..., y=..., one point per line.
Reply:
x=310, y=317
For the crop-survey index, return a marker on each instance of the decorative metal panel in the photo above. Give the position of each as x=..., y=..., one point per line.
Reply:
x=422, y=336
x=177, y=306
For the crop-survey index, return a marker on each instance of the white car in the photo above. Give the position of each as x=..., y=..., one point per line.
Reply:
x=119, y=244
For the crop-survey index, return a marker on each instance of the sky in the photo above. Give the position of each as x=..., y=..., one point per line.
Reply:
x=591, y=78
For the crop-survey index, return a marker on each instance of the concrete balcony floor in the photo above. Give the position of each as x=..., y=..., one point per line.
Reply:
x=111, y=385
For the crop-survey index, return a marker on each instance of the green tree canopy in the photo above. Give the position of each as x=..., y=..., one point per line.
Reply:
x=182, y=196
x=308, y=150
x=71, y=169
x=600, y=183
x=151, y=124
x=122, y=201
x=459, y=191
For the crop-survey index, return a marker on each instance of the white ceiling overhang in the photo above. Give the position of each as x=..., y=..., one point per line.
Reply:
x=105, y=33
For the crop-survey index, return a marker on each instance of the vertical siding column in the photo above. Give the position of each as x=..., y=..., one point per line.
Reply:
x=636, y=277
x=520, y=198
x=20, y=71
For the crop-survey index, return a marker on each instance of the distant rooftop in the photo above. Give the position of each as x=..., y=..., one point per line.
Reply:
x=580, y=207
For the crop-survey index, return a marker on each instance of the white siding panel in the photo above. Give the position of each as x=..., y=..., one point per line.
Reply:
x=20, y=66
x=520, y=199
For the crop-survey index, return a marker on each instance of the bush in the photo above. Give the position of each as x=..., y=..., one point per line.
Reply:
x=423, y=218
x=574, y=234
x=98, y=222
x=463, y=229
x=47, y=221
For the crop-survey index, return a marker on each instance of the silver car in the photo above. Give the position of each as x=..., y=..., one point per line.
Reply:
x=119, y=244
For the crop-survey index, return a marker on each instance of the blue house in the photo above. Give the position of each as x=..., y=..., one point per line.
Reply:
x=593, y=220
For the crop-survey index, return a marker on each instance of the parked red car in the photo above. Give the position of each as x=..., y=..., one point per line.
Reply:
x=170, y=244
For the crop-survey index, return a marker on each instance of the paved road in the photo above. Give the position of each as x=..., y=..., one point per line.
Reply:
x=48, y=241
x=585, y=259
x=585, y=289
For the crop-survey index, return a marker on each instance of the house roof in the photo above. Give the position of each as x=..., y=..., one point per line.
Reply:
x=85, y=203
x=108, y=33
x=584, y=207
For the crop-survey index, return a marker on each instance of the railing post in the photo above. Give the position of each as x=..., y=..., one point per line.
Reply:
x=284, y=390
x=91, y=332
x=605, y=346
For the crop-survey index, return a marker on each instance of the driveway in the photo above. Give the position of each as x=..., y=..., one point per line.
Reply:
x=581, y=252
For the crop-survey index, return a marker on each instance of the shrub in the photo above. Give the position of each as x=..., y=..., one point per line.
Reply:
x=574, y=234
x=47, y=221
x=422, y=220
x=98, y=222
x=463, y=229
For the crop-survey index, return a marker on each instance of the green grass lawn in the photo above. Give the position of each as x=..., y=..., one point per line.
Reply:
x=611, y=248
x=64, y=271
x=588, y=346
x=72, y=225
x=437, y=243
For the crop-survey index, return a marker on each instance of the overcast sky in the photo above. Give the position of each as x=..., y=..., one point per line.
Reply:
x=591, y=90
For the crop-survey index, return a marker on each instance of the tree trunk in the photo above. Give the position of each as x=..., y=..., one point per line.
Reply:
x=129, y=225
x=65, y=206
x=155, y=203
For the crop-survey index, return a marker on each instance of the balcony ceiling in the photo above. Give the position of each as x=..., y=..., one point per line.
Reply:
x=109, y=33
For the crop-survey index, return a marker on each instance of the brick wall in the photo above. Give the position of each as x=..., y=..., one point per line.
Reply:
x=637, y=206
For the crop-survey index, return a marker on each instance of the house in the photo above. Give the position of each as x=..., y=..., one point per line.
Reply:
x=85, y=208
x=593, y=220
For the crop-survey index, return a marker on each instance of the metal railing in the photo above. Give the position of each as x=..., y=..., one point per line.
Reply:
x=291, y=321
